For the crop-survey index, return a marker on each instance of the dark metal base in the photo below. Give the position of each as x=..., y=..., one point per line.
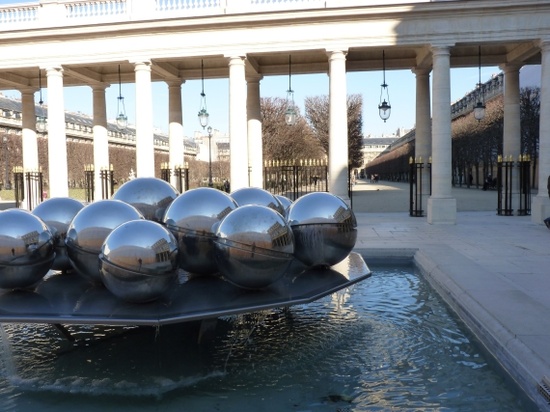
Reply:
x=66, y=298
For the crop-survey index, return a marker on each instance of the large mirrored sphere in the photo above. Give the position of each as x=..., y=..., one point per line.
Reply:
x=27, y=249
x=57, y=213
x=257, y=196
x=89, y=229
x=254, y=246
x=138, y=261
x=191, y=218
x=325, y=229
x=151, y=196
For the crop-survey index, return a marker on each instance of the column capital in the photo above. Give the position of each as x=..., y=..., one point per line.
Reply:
x=142, y=65
x=53, y=69
x=336, y=53
x=510, y=67
x=99, y=87
x=253, y=78
x=28, y=90
x=235, y=56
x=175, y=83
x=440, y=49
x=421, y=71
x=544, y=45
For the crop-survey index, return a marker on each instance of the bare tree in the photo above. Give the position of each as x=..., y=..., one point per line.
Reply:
x=284, y=142
x=317, y=113
x=355, y=130
x=530, y=119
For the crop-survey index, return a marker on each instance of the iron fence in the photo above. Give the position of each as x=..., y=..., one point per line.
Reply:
x=295, y=179
x=416, y=172
x=180, y=172
x=28, y=186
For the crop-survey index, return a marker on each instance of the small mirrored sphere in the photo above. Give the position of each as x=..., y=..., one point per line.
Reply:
x=254, y=246
x=257, y=196
x=89, y=229
x=191, y=218
x=27, y=249
x=57, y=213
x=138, y=261
x=285, y=203
x=325, y=229
x=150, y=195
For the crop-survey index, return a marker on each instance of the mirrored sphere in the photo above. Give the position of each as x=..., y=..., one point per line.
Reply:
x=150, y=195
x=191, y=218
x=57, y=213
x=138, y=261
x=89, y=229
x=325, y=229
x=253, y=246
x=257, y=196
x=285, y=203
x=27, y=249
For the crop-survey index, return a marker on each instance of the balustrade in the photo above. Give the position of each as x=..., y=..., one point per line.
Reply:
x=75, y=12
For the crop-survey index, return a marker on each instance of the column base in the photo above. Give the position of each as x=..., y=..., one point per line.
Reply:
x=540, y=209
x=442, y=211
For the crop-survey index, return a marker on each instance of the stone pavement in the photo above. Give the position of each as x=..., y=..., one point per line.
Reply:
x=494, y=271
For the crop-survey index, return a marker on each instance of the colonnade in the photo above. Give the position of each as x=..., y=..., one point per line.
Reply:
x=433, y=128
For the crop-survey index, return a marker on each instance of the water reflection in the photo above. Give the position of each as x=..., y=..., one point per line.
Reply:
x=386, y=343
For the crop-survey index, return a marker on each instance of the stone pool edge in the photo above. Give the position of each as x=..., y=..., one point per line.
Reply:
x=469, y=290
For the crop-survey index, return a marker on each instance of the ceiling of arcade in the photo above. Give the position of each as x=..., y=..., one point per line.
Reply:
x=366, y=56
x=266, y=64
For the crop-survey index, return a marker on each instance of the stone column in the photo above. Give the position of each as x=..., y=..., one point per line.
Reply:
x=101, y=142
x=29, y=141
x=423, y=132
x=145, y=154
x=58, y=176
x=175, y=129
x=255, y=155
x=441, y=204
x=237, y=123
x=512, y=125
x=338, y=125
x=540, y=207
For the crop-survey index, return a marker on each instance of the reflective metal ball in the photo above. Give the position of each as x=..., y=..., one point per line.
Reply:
x=138, y=261
x=57, y=213
x=285, y=203
x=191, y=218
x=257, y=196
x=26, y=249
x=89, y=229
x=325, y=229
x=254, y=246
x=151, y=196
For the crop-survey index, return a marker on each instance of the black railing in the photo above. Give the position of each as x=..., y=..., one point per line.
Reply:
x=504, y=186
x=524, y=165
x=180, y=172
x=415, y=187
x=89, y=185
x=295, y=179
x=107, y=177
x=28, y=186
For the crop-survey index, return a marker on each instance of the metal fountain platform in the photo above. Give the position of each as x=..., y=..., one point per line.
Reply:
x=66, y=298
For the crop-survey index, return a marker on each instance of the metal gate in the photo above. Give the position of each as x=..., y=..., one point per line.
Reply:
x=504, y=187
x=181, y=173
x=294, y=179
x=33, y=182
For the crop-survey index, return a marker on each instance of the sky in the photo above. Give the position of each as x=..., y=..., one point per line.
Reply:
x=401, y=86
